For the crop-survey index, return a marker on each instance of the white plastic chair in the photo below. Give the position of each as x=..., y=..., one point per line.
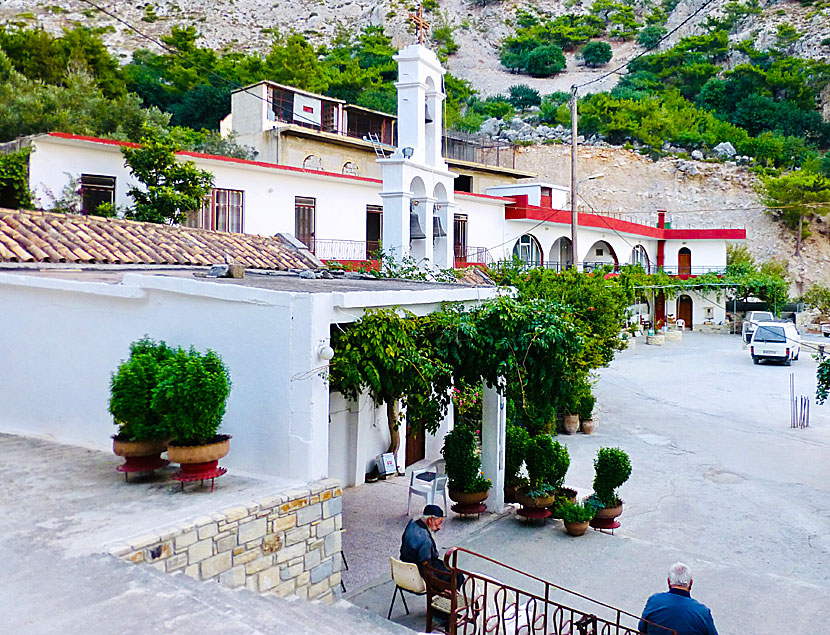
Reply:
x=429, y=490
x=407, y=578
x=680, y=323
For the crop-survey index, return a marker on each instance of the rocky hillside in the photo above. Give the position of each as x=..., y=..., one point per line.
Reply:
x=697, y=194
x=246, y=25
x=725, y=191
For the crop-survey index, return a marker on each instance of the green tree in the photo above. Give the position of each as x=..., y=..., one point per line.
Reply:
x=596, y=53
x=522, y=96
x=385, y=354
x=544, y=61
x=171, y=189
x=14, y=180
x=650, y=36
x=795, y=198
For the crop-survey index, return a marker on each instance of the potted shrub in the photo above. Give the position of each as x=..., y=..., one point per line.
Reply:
x=611, y=469
x=191, y=394
x=575, y=516
x=516, y=440
x=586, y=412
x=547, y=463
x=463, y=463
x=142, y=435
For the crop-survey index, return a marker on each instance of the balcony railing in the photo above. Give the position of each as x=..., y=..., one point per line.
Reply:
x=470, y=255
x=529, y=604
x=672, y=270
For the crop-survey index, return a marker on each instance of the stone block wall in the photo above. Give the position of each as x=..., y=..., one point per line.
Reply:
x=287, y=544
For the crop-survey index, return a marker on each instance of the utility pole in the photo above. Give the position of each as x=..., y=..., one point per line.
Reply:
x=574, y=184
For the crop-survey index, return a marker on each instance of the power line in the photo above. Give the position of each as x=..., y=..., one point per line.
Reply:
x=648, y=50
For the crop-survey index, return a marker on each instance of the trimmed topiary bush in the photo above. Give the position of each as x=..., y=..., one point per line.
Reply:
x=515, y=450
x=547, y=462
x=611, y=469
x=191, y=395
x=131, y=392
x=463, y=461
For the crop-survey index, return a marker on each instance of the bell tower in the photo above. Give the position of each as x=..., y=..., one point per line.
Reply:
x=418, y=201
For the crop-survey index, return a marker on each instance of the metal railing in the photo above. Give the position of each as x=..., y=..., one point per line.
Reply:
x=672, y=270
x=346, y=249
x=486, y=605
x=477, y=255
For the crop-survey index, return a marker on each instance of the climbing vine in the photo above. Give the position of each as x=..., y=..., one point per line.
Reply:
x=14, y=180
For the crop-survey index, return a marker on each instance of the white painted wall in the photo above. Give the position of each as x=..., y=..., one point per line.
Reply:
x=533, y=191
x=55, y=381
x=700, y=303
x=705, y=253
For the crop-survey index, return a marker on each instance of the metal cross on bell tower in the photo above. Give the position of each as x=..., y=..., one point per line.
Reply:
x=421, y=25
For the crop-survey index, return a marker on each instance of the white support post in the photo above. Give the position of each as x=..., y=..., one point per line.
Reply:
x=493, y=432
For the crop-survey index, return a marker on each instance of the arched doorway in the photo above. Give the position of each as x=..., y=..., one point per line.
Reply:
x=639, y=256
x=561, y=254
x=528, y=250
x=684, y=310
x=684, y=262
x=599, y=255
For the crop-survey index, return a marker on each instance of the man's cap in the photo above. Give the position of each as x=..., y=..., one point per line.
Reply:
x=433, y=510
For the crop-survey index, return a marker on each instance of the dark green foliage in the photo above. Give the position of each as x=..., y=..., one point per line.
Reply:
x=522, y=96
x=547, y=462
x=618, y=15
x=596, y=53
x=30, y=107
x=611, y=469
x=823, y=380
x=796, y=198
x=823, y=166
x=131, y=392
x=733, y=13
x=544, y=61
x=531, y=344
x=14, y=180
x=172, y=188
x=537, y=47
x=650, y=36
x=191, y=394
x=40, y=56
x=463, y=461
x=574, y=512
x=515, y=450
x=585, y=408
x=389, y=354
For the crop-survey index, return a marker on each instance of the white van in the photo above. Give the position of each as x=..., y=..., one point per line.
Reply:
x=778, y=341
x=751, y=321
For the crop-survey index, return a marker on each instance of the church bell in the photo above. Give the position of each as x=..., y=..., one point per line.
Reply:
x=437, y=228
x=415, y=231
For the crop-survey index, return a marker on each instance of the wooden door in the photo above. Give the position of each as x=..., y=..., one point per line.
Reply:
x=416, y=448
x=684, y=262
x=659, y=310
x=684, y=310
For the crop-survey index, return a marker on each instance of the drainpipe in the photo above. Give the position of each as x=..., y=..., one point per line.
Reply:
x=661, y=244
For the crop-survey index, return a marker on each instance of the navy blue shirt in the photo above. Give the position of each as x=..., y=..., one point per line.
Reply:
x=417, y=544
x=678, y=611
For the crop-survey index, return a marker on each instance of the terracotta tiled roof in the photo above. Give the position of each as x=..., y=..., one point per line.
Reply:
x=476, y=277
x=69, y=238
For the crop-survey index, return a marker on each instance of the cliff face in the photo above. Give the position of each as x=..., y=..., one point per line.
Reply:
x=697, y=194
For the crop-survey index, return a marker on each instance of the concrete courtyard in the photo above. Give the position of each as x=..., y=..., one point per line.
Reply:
x=720, y=481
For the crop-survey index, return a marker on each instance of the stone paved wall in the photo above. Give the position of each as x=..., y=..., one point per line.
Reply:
x=288, y=544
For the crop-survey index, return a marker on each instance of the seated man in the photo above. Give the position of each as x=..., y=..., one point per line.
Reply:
x=418, y=543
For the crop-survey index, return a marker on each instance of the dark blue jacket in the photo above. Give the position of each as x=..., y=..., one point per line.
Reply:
x=678, y=611
x=417, y=545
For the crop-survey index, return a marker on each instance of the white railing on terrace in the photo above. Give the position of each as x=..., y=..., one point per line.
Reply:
x=346, y=249
x=672, y=270
x=684, y=220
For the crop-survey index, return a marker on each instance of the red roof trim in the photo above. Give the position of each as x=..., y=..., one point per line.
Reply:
x=214, y=157
x=596, y=221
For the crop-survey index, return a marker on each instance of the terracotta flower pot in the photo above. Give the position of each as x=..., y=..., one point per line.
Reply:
x=184, y=454
x=567, y=492
x=610, y=513
x=588, y=426
x=526, y=501
x=468, y=498
x=576, y=528
x=571, y=424
x=138, y=448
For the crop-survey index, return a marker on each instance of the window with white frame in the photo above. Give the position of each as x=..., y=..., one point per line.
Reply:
x=95, y=190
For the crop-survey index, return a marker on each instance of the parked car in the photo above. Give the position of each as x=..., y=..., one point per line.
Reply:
x=777, y=341
x=825, y=329
x=751, y=319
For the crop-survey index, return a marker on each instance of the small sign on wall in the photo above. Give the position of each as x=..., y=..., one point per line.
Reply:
x=386, y=464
